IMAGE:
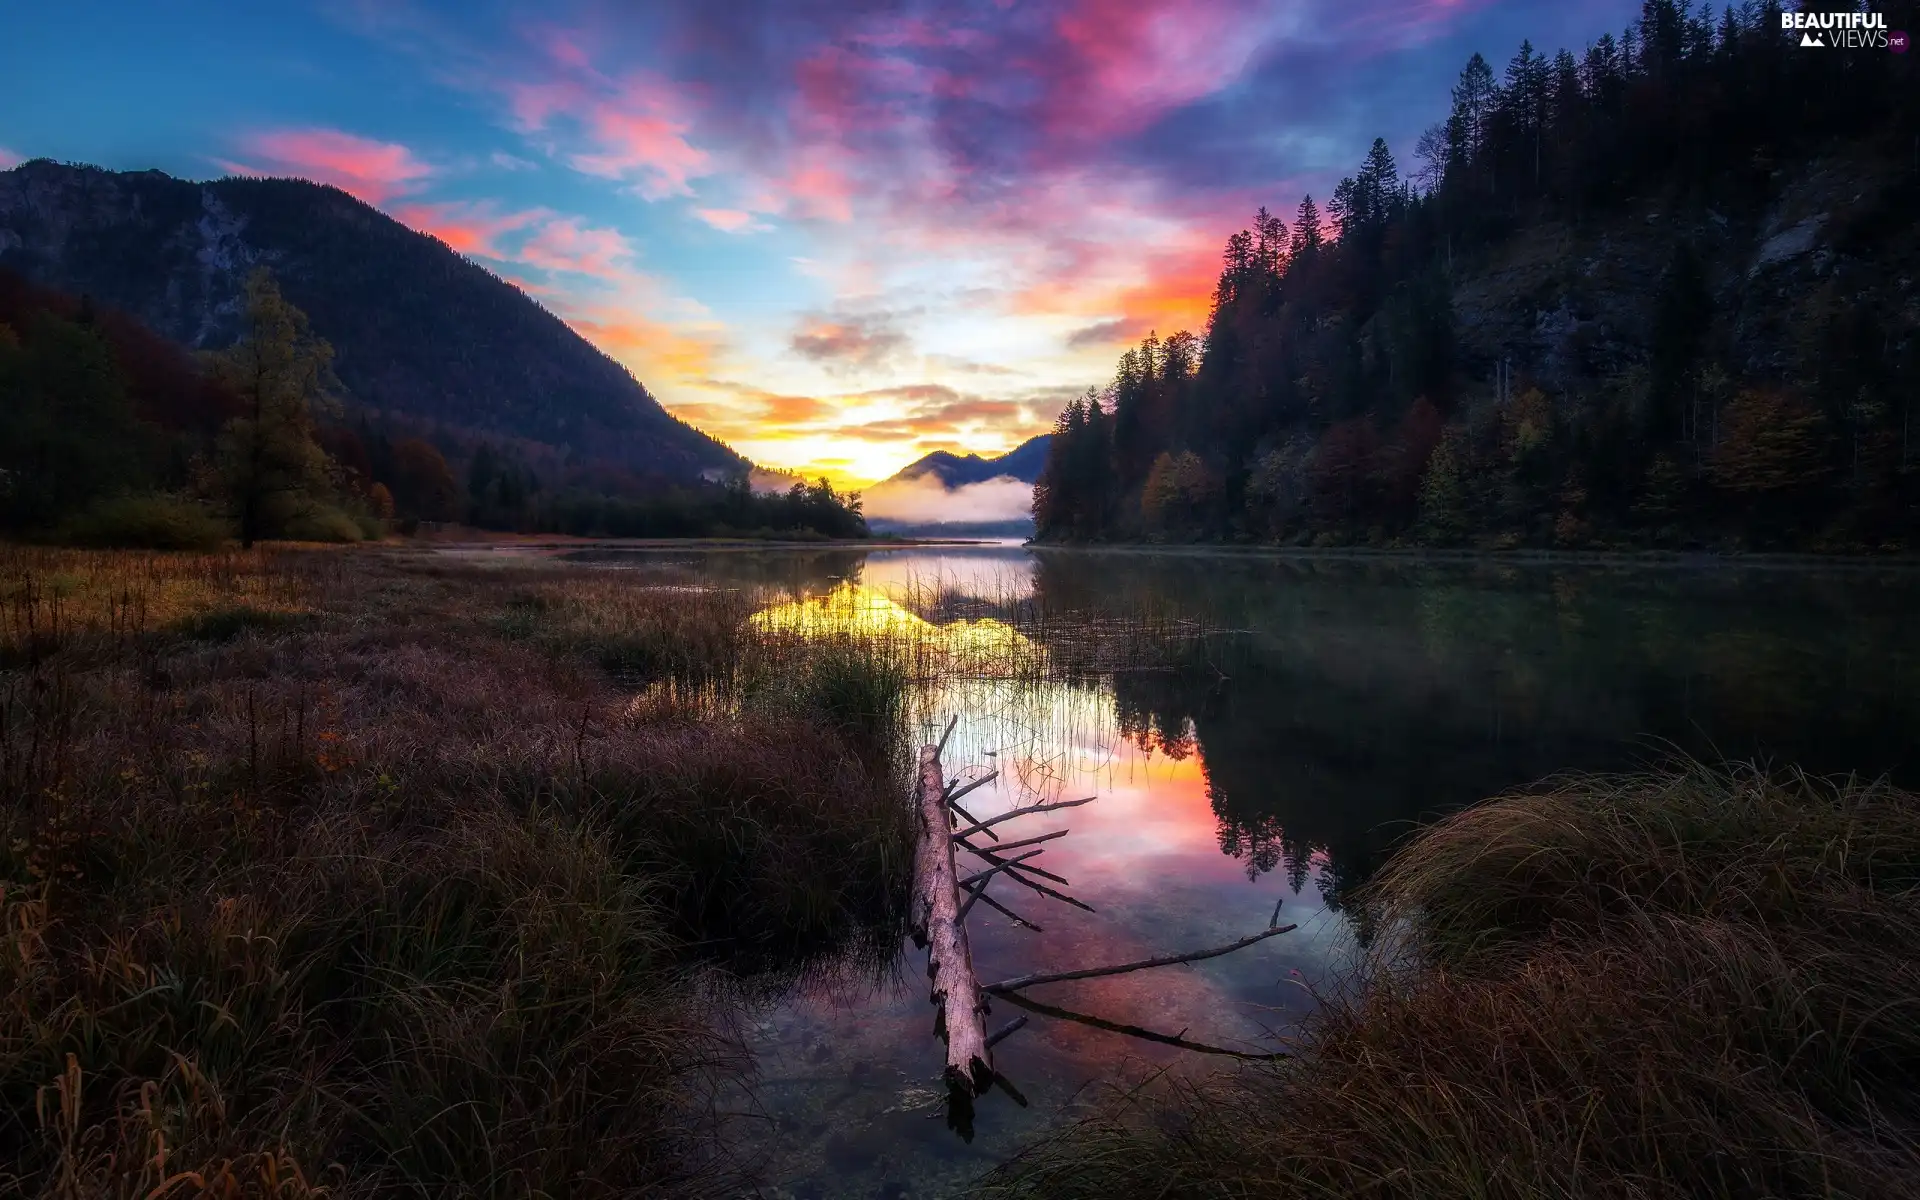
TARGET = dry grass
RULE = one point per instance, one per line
(349, 872)
(1692, 983)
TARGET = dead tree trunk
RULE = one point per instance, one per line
(941, 901)
(962, 1015)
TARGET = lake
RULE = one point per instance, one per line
(1334, 705)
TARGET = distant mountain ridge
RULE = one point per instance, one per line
(1023, 462)
(420, 332)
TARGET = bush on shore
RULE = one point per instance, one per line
(315, 878)
(1689, 983)
(148, 521)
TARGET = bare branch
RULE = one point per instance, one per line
(1165, 1039)
(1011, 915)
(982, 826)
(983, 781)
(992, 854)
(1003, 847)
(979, 888)
(1006, 1031)
(1018, 874)
(1007, 986)
(990, 872)
(969, 816)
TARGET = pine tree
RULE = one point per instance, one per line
(1473, 102)
(1306, 230)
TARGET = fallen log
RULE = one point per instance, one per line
(961, 1016)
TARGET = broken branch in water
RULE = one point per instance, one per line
(979, 883)
(1013, 916)
(981, 782)
(1003, 847)
(1165, 1039)
(1018, 875)
(990, 872)
(992, 854)
(1008, 986)
(1005, 1031)
(982, 826)
(969, 816)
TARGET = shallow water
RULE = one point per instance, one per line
(1352, 700)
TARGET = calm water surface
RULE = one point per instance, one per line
(1352, 700)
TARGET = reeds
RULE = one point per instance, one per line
(1688, 983)
(348, 873)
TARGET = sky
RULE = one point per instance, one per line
(836, 234)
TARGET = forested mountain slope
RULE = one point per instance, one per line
(419, 332)
(1023, 462)
(1660, 292)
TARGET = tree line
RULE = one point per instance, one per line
(110, 434)
(1727, 385)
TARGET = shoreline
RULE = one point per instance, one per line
(1691, 560)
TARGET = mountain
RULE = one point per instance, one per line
(421, 335)
(1023, 462)
(1609, 310)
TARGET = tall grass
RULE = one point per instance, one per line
(1691, 983)
(348, 872)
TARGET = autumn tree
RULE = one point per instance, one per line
(1773, 441)
(423, 485)
(272, 469)
(1180, 493)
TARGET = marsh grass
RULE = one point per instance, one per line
(353, 872)
(1688, 983)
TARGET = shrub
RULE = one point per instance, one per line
(323, 524)
(148, 521)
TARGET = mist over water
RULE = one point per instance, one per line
(926, 499)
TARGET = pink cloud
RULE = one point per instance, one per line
(474, 228)
(729, 220)
(372, 171)
(816, 187)
(564, 244)
(1131, 60)
(9, 160)
(635, 130)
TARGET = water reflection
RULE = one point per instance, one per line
(1280, 759)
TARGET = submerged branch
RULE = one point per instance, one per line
(1007, 986)
(1018, 875)
(1135, 1031)
(990, 872)
(1011, 915)
(969, 816)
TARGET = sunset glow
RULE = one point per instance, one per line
(836, 235)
